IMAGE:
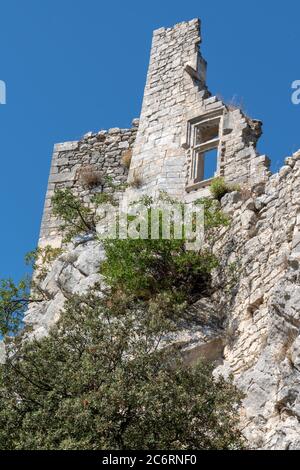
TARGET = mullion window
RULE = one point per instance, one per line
(205, 138)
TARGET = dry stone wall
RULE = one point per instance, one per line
(98, 154)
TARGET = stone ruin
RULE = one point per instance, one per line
(185, 137)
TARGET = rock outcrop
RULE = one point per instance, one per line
(264, 321)
(73, 272)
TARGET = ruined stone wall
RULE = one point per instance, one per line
(262, 338)
(238, 160)
(175, 97)
(158, 157)
(101, 153)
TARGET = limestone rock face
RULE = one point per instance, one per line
(264, 319)
(74, 272)
(199, 334)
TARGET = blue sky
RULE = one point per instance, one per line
(72, 66)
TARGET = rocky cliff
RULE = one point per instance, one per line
(262, 347)
(259, 343)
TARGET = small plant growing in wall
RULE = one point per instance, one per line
(77, 218)
(90, 177)
(136, 181)
(219, 188)
(126, 158)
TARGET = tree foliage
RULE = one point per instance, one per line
(144, 268)
(77, 218)
(100, 380)
(15, 297)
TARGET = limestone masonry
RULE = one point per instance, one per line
(180, 127)
(185, 137)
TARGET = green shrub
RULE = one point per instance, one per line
(76, 217)
(103, 198)
(219, 188)
(144, 268)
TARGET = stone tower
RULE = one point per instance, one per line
(187, 136)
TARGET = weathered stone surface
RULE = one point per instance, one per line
(100, 152)
(199, 335)
(74, 272)
(264, 354)
(261, 343)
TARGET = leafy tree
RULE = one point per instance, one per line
(15, 297)
(41, 260)
(144, 268)
(102, 380)
(76, 217)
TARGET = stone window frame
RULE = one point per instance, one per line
(215, 143)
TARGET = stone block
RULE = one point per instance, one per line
(66, 146)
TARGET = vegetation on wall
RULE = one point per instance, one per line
(106, 376)
(146, 268)
(76, 217)
(219, 188)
